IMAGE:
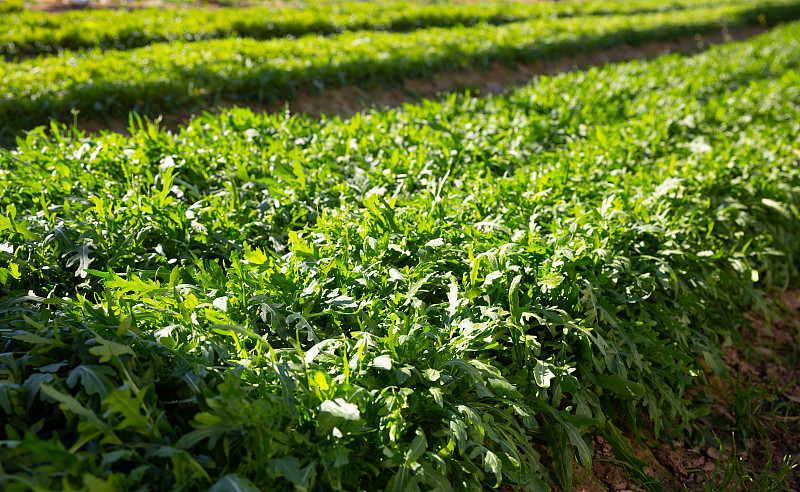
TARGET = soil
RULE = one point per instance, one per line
(765, 367)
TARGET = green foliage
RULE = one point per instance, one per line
(9, 6)
(409, 300)
(163, 77)
(34, 33)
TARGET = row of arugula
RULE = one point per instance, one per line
(165, 78)
(442, 297)
(33, 33)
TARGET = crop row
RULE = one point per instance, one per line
(164, 78)
(399, 301)
(31, 33)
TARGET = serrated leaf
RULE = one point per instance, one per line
(98, 484)
(136, 284)
(221, 303)
(111, 457)
(550, 280)
(459, 429)
(342, 301)
(402, 375)
(502, 387)
(452, 298)
(80, 255)
(24, 336)
(174, 276)
(33, 384)
(94, 379)
(109, 349)
(584, 453)
(567, 429)
(129, 406)
(321, 380)
(778, 207)
(623, 451)
(287, 387)
(256, 257)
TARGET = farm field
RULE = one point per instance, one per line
(170, 77)
(467, 293)
(32, 33)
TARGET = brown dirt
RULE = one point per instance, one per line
(766, 360)
(347, 101)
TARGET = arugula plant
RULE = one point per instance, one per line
(31, 33)
(421, 299)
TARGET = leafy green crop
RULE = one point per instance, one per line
(408, 300)
(162, 78)
(32, 33)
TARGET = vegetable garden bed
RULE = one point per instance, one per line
(34, 33)
(407, 300)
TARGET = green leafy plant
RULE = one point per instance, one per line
(35, 33)
(419, 299)
(163, 78)
(8, 6)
